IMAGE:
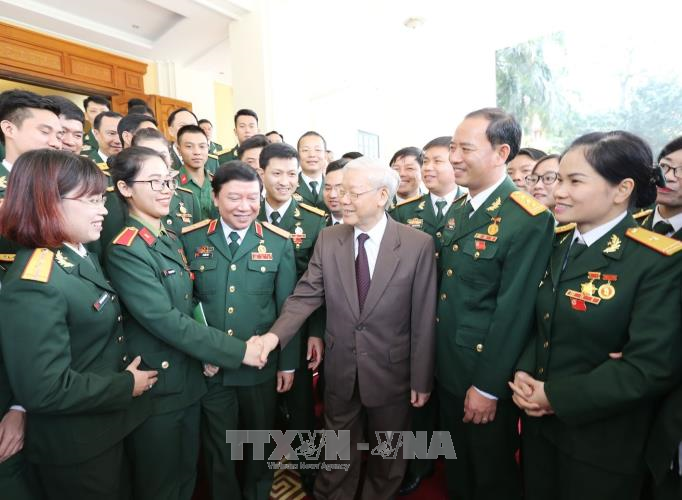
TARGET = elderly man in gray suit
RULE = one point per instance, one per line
(378, 280)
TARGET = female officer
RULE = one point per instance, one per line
(60, 327)
(148, 267)
(610, 287)
(542, 182)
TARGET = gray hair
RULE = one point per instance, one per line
(378, 175)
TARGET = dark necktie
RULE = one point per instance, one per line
(274, 217)
(577, 247)
(313, 189)
(663, 227)
(362, 270)
(337, 222)
(234, 242)
(440, 205)
(468, 209)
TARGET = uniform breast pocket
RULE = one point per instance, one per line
(205, 275)
(261, 278)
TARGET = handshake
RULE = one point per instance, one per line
(257, 350)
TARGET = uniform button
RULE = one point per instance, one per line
(262, 269)
(443, 296)
(477, 255)
(437, 319)
(479, 347)
(439, 234)
(230, 310)
(449, 273)
(230, 332)
(201, 267)
(232, 288)
(113, 298)
(181, 273)
(361, 327)
(119, 339)
(186, 296)
(546, 316)
(125, 358)
(455, 247)
(165, 365)
(169, 221)
(546, 344)
(436, 255)
(541, 370)
(119, 318)
(233, 267)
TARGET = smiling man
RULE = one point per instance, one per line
(193, 147)
(378, 280)
(105, 129)
(408, 163)
(312, 154)
(93, 106)
(245, 126)
(492, 258)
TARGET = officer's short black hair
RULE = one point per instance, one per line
(105, 114)
(352, 155)
(535, 154)
(311, 133)
(190, 129)
(204, 120)
(255, 141)
(276, 150)
(336, 165)
(417, 153)
(68, 109)
(502, 129)
(16, 105)
(141, 109)
(439, 142)
(131, 122)
(136, 101)
(671, 147)
(146, 134)
(245, 112)
(234, 170)
(97, 100)
(274, 132)
(171, 117)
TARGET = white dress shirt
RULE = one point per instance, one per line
(449, 198)
(675, 221)
(80, 249)
(227, 230)
(308, 180)
(479, 199)
(7, 165)
(595, 234)
(372, 243)
(281, 210)
(102, 155)
(335, 220)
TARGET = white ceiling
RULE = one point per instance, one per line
(187, 32)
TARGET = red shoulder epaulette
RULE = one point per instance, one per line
(125, 237)
(259, 229)
(212, 226)
(183, 179)
(147, 236)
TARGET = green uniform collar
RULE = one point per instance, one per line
(155, 231)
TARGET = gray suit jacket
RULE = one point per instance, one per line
(390, 346)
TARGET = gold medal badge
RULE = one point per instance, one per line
(607, 291)
(494, 228)
(589, 288)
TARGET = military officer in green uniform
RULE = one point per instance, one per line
(312, 155)
(72, 120)
(491, 258)
(148, 267)
(93, 106)
(407, 162)
(207, 127)
(431, 213)
(244, 271)
(69, 368)
(245, 126)
(27, 122)
(330, 193)
(665, 440)
(249, 151)
(279, 163)
(105, 128)
(607, 341)
(194, 176)
(131, 123)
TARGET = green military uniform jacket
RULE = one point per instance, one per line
(227, 155)
(622, 294)
(152, 277)
(203, 205)
(645, 218)
(418, 213)
(244, 293)
(303, 223)
(303, 194)
(7, 248)
(65, 353)
(490, 265)
(214, 148)
(2, 151)
(4, 177)
(89, 143)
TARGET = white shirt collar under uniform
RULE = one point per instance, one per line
(372, 244)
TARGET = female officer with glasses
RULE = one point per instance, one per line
(543, 180)
(62, 340)
(149, 269)
(610, 287)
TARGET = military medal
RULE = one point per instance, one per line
(182, 208)
(262, 253)
(579, 299)
(262, 249)
(607, 290)
(451, 223)
(297, 213)
(298, 236)
(480, 245)
(101, 301)
(184, 258)
(415, 222)
(493, 228)
(3, 182)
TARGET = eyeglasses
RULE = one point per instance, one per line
(95, 202)
(158, 184)
(353, 196)
(547, 179)
(677, 171)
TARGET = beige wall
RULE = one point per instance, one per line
(9, 85)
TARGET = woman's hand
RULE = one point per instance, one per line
(144, 380)
(529, 395)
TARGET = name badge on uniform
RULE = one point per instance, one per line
(415, 222)
(204, 252)
(168, 272)
(262, 253)
(101, 301)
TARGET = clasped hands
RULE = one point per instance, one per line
(529, 395)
